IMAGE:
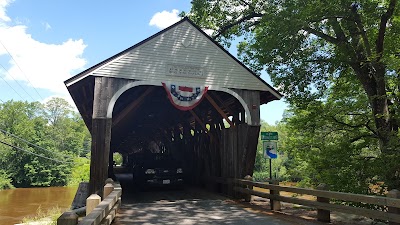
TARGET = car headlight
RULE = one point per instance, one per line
(150, 171)
(179, 170)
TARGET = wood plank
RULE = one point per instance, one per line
(377, 200)
(249, 156)
(326, 206)
(132, 107)
(102, 210)
(220, 111)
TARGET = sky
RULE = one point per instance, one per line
(45, 42)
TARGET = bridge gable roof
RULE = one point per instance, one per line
(180, 53)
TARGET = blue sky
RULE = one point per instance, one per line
(51, 41)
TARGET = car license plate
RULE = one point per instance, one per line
(166, 181)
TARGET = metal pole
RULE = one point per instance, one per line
(270, 168)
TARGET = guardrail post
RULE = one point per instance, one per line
(247, 197)
(68, 218)
(109, 181)
(275, 204)
(394, 194)
(108, 188)
(322, 214)
(91, 202)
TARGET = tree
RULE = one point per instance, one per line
(38, 142)
(307, 47)
(57, 109)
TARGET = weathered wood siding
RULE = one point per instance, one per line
(150, 60)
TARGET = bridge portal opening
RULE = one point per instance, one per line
(179, 147)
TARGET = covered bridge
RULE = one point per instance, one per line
(180, 88)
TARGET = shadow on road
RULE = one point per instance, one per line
(187, 206)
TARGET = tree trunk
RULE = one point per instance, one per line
(372, 78)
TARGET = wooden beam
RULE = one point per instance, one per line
(213, 103)
(199, 121)
(132, 106)
(216, 97)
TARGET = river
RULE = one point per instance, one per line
(15, 204)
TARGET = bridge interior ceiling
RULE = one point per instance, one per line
(144, 113)
(201, 137)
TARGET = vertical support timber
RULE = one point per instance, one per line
(104, 89)
(249, 154)
(99, 161)
(249, 134)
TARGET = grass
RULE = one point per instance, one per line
(50, 215)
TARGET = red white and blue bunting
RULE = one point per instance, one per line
(184, 97)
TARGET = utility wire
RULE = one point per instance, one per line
(32, 153)
(21, 69)
(17, 82)
(13, 89)
(21, 139)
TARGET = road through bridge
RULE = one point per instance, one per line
(189, 206)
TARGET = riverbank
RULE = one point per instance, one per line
(19, 203)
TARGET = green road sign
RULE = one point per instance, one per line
(269, 136)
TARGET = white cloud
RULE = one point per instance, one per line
(164, 19)
(3, 5)
(45, 65)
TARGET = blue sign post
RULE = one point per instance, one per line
(270, 147)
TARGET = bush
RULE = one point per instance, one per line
(44, 217)
(5, 181)
(261, 176)
(80, 171)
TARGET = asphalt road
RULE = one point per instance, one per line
(186, 207)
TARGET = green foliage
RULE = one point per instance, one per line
(47, 138)
(80, 171)
(117, 157)
(338, 64)
(5, 181)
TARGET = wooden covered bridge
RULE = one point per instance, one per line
(178, 87)
(183, 92)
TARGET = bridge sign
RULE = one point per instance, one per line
(269, 149)
(269, 135)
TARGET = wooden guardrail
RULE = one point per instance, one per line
(391, 203)
(97, 212)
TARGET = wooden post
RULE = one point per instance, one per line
(108, 188)
(101, 137)
(275, 205)
(394, 194)
(91, 203)
(247, 197)
(322, 214)
(68, 218)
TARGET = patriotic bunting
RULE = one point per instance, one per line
(184, 97)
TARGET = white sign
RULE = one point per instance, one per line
(270, 149)
(185, 70)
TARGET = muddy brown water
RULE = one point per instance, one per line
(15, 204)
